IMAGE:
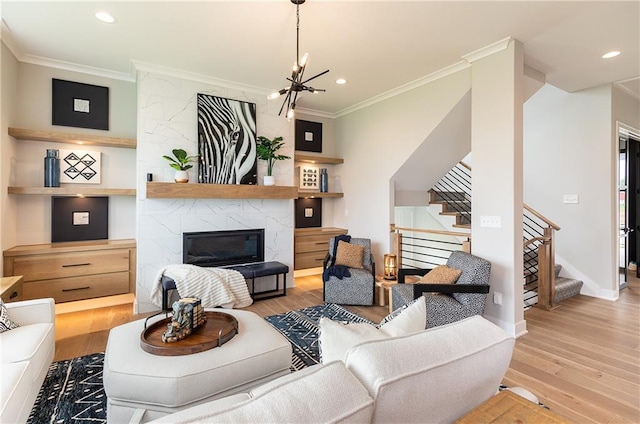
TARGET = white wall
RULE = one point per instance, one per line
(32, 110)
(569, 149)
(167, 119)
(8, 97)
(375, 142)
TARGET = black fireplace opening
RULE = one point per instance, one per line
(223, 248)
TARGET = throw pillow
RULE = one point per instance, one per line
(349, 255)
(5, 322)
(336, 339)
(441, 274)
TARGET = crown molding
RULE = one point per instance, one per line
(485, 51)
(452, 69)
(193, 76)
(314, 112)
(74, 67)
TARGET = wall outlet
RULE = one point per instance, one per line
(497, 298)
(570, 199)
(490, 221)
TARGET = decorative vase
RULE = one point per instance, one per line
(269, 180)
(181, 177)
(52, 169)
(324, 180)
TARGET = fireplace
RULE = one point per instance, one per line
(221, 248)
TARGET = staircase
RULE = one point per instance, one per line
(453, 194)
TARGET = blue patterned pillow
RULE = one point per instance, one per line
(5, 322)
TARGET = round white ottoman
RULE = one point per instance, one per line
(137, 381)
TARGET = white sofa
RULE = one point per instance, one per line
(26, 353)
(433, 376)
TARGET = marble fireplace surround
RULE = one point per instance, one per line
(167, 119)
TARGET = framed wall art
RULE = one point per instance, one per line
(226, 141)
(308, 136)
(308, 213)
(79, 105)
(79, 166)
(79, 218)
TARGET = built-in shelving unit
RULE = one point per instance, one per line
(73, 191)
(72, 138)
(317, 159)
(317, 194)
(156, 190)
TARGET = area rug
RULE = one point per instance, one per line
(73, 393)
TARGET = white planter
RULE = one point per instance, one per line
(269, 180)
(181, 177)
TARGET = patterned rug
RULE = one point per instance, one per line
(72, 392)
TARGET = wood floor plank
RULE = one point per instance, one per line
(581, 360)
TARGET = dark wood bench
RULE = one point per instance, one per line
(248, 271)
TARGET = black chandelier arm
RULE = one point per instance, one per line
(319, 75)
(284, 102)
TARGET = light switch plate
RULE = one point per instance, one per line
(490, 221)
(570, 199)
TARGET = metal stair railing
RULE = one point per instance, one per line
(454, 191)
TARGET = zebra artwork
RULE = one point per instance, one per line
(226, 141)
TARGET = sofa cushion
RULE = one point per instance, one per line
(15, 388)
(336, 339)
(327, 393)
(5, 322)
(33, 343)
(448, 370)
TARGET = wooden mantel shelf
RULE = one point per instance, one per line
(73, 191)
(72, 138)
(219, 191)
(317, 159)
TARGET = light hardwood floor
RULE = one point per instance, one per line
(582, 359)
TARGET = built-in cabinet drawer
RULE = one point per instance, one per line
(74, 271)
(44, 267)
(77, 288)
(311, 245)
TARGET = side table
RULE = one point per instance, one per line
(508, 407)
(11, 288)
(384, 291)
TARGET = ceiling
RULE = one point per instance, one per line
(378, 46)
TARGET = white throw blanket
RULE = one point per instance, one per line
(213, 286)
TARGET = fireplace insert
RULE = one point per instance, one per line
(221, 248)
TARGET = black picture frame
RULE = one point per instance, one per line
(227, 142)
(79, 105)
(91, 216)
(308, 136)
(308, 213)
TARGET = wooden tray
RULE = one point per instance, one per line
(219, 329)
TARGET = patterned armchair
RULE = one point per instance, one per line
(452, 302)
(359, 287)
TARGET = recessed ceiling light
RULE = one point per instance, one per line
(341, 81)
(610, 54)
(105, 17)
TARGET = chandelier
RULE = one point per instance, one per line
(298, 83)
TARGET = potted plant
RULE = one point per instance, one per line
(267, 150)
(181, 163)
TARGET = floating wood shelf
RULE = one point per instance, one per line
(72, 138)
(73, 191)
(317, 194)
(219, 191)
(317, 159)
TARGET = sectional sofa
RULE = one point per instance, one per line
(435, 375)
(26, 353)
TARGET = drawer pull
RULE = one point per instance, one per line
(78, 288)
(320, 243)
(319, 260)
(70, 265)
(13, 295)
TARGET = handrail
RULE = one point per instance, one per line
(535, 239)
(465, 165)
(541, 217)
(428, 231)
